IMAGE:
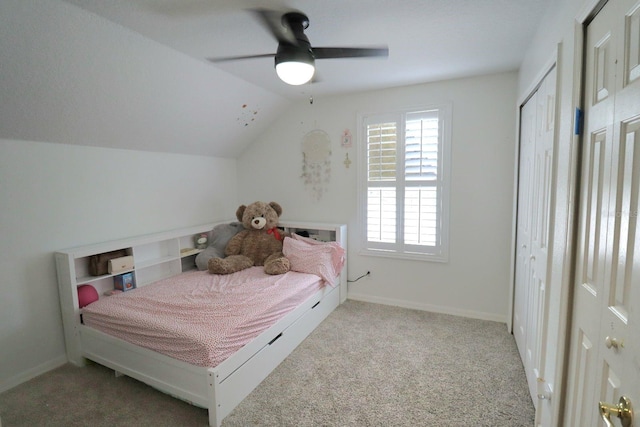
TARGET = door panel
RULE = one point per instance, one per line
(632, 44)
(583, 382)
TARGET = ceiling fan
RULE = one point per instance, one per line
(295, 58)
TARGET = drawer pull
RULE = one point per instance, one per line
(274, 340)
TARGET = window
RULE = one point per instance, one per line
(404, 184)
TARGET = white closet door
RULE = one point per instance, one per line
(533, 226)
(523, 251)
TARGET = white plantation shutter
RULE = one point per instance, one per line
(421, 216)
(421, 174)
(405, 208)
(382, 147)
(421, 146)
(381, 169)
(381, 215)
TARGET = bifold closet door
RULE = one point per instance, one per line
(530, 313)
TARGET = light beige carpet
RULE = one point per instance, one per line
(366, 365)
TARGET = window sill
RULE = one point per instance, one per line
(413, 256)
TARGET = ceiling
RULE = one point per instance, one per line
(428, 40)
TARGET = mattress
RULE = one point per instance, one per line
(201, 318)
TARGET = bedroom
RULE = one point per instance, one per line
(60, 187)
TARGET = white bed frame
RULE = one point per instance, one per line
(218, 389)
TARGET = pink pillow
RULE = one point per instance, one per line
(324, 259)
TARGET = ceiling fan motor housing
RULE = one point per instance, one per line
(301, 52)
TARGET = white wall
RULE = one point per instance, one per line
(475, 282)
(55, 196)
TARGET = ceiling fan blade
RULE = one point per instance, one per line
(278, 27)
(236, 58)
(349, 52)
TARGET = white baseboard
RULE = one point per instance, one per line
(32, 373)
(427, 307)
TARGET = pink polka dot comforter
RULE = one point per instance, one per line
(201, 318)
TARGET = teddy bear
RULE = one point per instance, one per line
(259, 244)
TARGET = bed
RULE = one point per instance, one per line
(218, 372)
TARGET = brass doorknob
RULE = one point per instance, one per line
(613, 342)
(622, 410)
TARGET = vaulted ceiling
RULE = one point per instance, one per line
(428, 39)
(134, 74)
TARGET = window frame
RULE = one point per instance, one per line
(439, 252)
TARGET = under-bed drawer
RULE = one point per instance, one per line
(236, 360)
(232, 389)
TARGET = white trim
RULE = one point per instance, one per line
(589, 10)
(539, 77)
(445, 110)
(563, 342)
(428, 307)
(381, 253)
(23, 377)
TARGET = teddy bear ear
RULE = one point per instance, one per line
(276, 207)
(240, 212)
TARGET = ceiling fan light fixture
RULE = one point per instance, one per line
(294, 65)
(295, 73)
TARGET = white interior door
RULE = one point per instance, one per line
(605, 335)
(542, 218)
(532, 238)
(523, 235)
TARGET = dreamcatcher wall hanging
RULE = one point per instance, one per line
(316, 162)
